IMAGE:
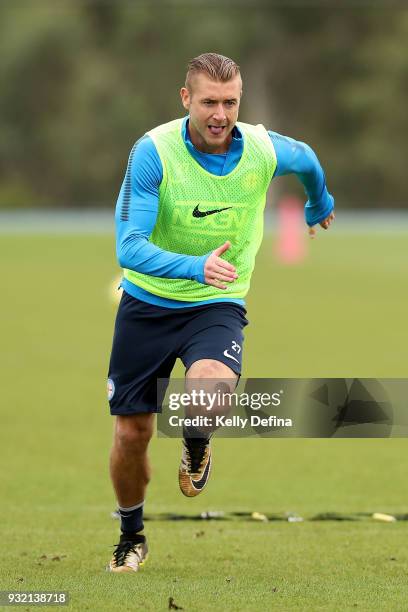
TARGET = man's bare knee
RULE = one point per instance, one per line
(210, 369)
(134, 432)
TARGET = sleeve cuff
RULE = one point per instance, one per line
(197, 269)
(317, 212)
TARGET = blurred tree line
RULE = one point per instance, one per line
(80, 81)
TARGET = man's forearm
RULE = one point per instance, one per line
(135, 252)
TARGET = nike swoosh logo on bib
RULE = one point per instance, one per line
(205, 213)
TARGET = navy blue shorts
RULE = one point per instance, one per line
(148, 339)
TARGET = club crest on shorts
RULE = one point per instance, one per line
(110, 388)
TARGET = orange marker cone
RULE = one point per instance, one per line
(291, 244)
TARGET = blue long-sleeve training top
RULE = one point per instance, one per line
(140, 192)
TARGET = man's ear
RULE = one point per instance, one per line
(185, 97)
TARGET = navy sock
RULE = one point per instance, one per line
(131, 519)
(191, 434)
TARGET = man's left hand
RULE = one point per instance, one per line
(324, 224)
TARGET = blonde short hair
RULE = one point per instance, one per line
(217, 67)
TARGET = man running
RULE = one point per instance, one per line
(189, 222)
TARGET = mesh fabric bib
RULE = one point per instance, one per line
(188, 188)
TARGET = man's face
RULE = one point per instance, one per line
(213, 108)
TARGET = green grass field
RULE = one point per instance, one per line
(341, 313)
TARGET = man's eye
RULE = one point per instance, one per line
(208, 102)
(231, 102)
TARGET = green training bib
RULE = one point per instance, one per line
(199, 211)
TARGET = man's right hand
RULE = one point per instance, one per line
(217, 271)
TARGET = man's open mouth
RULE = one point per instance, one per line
(216, 130)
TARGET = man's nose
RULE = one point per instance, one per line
(219, 113)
